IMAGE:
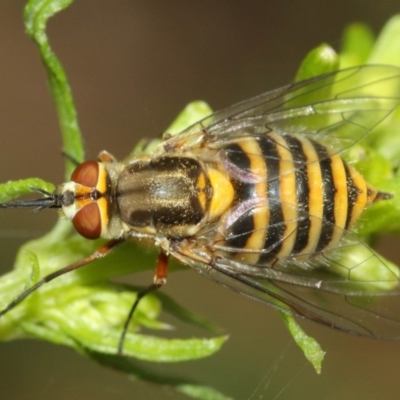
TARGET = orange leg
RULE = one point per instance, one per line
(99, 253)
(160, 277)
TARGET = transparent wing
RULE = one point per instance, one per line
(350, 300)
(340, 108)
(349, 288)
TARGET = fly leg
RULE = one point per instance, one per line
(99, 253)
(160, 278)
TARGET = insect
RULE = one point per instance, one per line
(256, 197)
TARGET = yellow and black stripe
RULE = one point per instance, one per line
(293, 196)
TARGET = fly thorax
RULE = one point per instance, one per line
(86, 200)
(166, 195)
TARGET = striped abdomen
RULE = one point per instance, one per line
(293, 196)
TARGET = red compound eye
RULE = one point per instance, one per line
(86, 174)
(87, 221)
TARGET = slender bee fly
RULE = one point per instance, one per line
(256, 197)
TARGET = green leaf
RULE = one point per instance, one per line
(387, 47)
(358, 41)
(310, 347)
(192, 113)
(184, 315)
(321, 60)
(77, 308)
(37, 13)
(13, 189)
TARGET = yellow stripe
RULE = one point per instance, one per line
(201, 184)
(287, 193)
(102, 203)
(223, 194)
(315, 195)
(102, 179)
(261, 215)
(361, 200)
(341, 198)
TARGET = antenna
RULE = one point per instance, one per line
(51, 200)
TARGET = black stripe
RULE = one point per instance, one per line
(277, 226)
(328, 187)
(352, 195)
(242, 229)
(238, 157)
(302, 193)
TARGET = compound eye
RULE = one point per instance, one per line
(87, 221)
(86, 174)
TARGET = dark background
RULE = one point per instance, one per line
(133, 65)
